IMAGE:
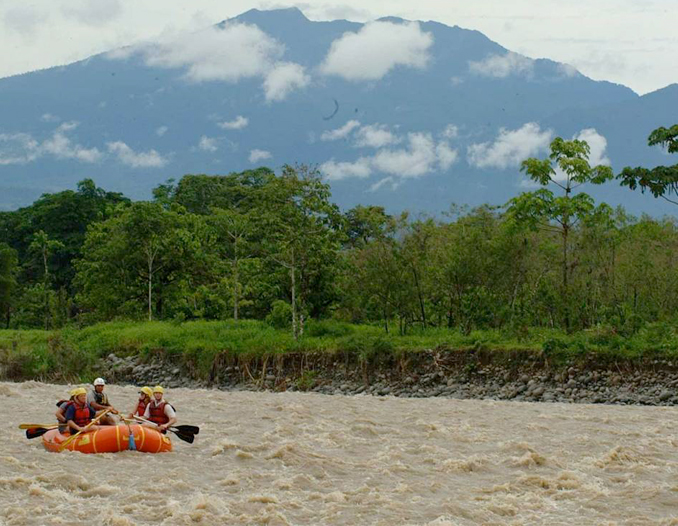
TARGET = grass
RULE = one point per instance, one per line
(72, 354)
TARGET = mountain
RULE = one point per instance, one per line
(407, 115)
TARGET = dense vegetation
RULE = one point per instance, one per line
(274, 248)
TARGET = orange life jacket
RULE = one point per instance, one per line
(157, 413)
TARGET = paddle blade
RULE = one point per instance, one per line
(35, 432)
(193, 430)
(186, 437)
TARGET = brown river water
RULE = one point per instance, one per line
(308, 459)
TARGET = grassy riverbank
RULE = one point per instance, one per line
(71, 353)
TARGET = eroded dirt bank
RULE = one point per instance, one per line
(464, 375)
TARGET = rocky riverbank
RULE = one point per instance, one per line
(431, 374)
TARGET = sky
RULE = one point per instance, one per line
(630, 42)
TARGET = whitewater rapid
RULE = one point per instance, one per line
(308, 459)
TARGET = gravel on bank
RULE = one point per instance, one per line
(651, 383)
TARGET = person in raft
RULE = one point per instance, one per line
(145, 395)
(62, 406)
(99, 401)
(80, 413)
(159, 411)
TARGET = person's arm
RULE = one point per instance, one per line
(171, 414)
(147, 411)
(91, 400)
(60, 414)
(100, 407)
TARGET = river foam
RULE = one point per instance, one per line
(309, 459)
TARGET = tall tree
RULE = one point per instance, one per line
(301, 232)
(567, 168)
(8, 267)
(234, 232)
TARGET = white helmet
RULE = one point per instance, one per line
(99, 381)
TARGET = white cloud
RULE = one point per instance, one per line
(450, 132)
(376, 49)
(342, 170)
(446, 155)
(284, 78)
(48, 117)
(510, 148)
(18, 148)
(501, 66)
(208, 144)
(61, 146)
(340, 133)
(421, 156)
(598, 145)
(375, 136)
(161, 130)
(382, 182)
(236, 52)
(566, 70)
(22, 148)
(259, 155)
(227, 53)
(24, 20)
(93, 12)
(127, 156)
(238, 123)
(415, 161)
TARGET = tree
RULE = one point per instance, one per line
(8, 267)
(143, 255)
(567, 168)
(45, 247)
(234, 230)
(301, 232)
(661, 181)
(199, 194)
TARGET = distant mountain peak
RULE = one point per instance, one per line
(291, 14)
(393, 19)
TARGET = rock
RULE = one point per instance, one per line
(664, 396)
(270, 377)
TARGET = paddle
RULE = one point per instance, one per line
(72, 437)
(182, 432)
(193, 430)
(35, 432)
(33, 426)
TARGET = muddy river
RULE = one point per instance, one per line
(307, 459)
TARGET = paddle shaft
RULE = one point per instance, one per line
(35, 426)
(186, 437)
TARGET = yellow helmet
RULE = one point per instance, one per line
(146, 390)
(79, 391)
(73, 392)
(158, 389)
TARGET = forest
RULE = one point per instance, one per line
(274, 247)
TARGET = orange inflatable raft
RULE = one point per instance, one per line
(110, 439)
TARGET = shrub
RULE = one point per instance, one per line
(280, 316)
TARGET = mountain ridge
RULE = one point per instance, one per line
(140, 119)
